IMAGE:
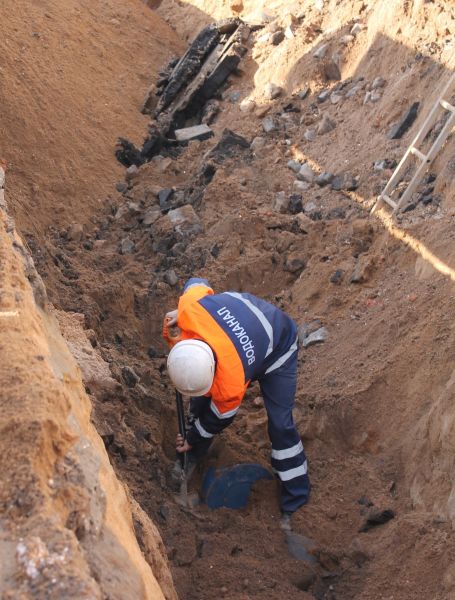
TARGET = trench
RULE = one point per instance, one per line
(123, 275)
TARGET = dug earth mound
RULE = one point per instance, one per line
(262, 181)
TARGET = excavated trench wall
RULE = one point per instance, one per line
(68, 527)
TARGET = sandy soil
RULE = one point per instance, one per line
(374, 401)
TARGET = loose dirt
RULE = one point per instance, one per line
(374, 401)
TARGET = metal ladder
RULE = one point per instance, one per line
(426, 159)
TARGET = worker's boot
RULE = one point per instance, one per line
(285, 521)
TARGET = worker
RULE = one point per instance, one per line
(226, 341)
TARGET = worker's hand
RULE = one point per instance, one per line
(171, 318)
(182, 445)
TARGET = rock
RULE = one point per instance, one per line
(336, 213)
(310, 135)
(300, 186)
(375, 97)
(310, 207)
(272, 91)
(121, 187)
(229, 145)
(152, 352)
(295, 262)
(345, 182)
(294, 165)
(289, 33)
(357, 28)
(295, 204)
(210, 111)
(75, 232)
(133, 208)
(321, 51)
(171, 278)
(317, 337)
(151, 215)
(386, 163)
(379, 82)
(322, 96)
(258, 143)
(354, 90)
(131, 172)
(150, 101)
(367, 97)
(127, 246)
(377, 517)
(280, 203)
(336, 277)
(130, 377)
(262, 111)
(277, 37)
(304, 223)
(363, 270)
(325, 178)
(402, 126)
(347, 39)
(326, 125)
(247, 105)
(236, 6)
(233, 97)
(197, 132)
(331, 71)
(164, 197)
(336, 97)
(306, 173)
(185, 220)
(269, 125)
(304, 92)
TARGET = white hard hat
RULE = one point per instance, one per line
(191, 367)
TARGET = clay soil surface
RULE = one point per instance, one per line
(374, 401)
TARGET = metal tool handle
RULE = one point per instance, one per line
(181, 421)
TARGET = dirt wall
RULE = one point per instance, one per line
(67, 527)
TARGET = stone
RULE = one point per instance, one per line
(151, 215)
(347, 39)
(197, 132)
(386, 163)
(336, 213)
(345, 182)
(131, 172)
(367, 97)
(379, 82)
(375, 97)
(304, 92)
(377, 517)
(310, 207)
(262, 111)
(247, 105)
(354, 90)
(295, 262)
(331, 71)
(336, 97)
(294, 165)
(323, 96)
(269, 125)
(150, 101)
(325, 178)
(280, 203)
(306, 173)
(337, 277)
(152, 352)
(362, 271)
(233, 97)
(272, 91)
(185, 220)
(236, 6)
(121, 187)
(289, 33)
(317, 337)
(405, 123)
(277, 37)
(171, 278)
(258, 143)
(295, 204)
(130, 377)
(304, 223)
(357, 28)
(75, 232)
(133, 208)
(321, 51)
(310, 135)
(164, 197)
(326, 125)
(127, 246)
(300, 186)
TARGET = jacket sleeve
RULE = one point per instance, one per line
(213, 420)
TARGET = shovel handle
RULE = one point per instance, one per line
(181, 421)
